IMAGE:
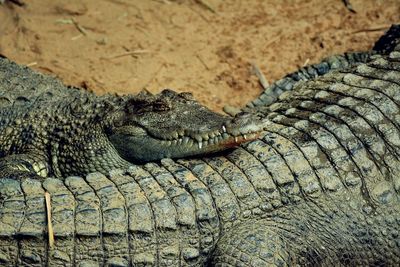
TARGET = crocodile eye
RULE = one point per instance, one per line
(168, 93)
(161, 106)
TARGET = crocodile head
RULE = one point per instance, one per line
(175, 125)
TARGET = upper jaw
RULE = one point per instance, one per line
(234, 131)
(214, 139)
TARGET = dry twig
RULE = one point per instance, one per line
(377, 29)
(129, 53)
(31, 64)
(79, 27)
(349, 6)
(261, 78)
(49, 223)
(202, 62)
(306, 62)
(206, 5)
(72, 21)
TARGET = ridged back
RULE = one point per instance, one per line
(21, 88)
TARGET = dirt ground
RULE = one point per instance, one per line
(203, 46)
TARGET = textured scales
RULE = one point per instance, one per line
(319, 188)
(47, 129)
(309, 72)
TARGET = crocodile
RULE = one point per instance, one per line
(319, 187)
(47, 129)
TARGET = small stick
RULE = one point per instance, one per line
(349, 6)
(31, 64)
(76, 24)
(306, 62)
(276, 38)
(64, 21)
(129, 53)
(49, 223)
(76, 37)
(202, 61)
(205, 5)
(79, 27)
(372, 29)
(163, 1)
(263, 81)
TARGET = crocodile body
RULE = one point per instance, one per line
(319, 188)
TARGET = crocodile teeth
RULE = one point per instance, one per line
(236, 138)
(223, 128)
(198, 138)
(200, 145)
(185, 140)
(190, 142)
(245, 137)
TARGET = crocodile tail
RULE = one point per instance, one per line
(390, 41)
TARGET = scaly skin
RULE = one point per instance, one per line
(319, 188)
(49, 130)
(309, 72)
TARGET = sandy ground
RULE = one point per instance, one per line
(203, 46)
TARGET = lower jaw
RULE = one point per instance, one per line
(150, 150)
(197, 149)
